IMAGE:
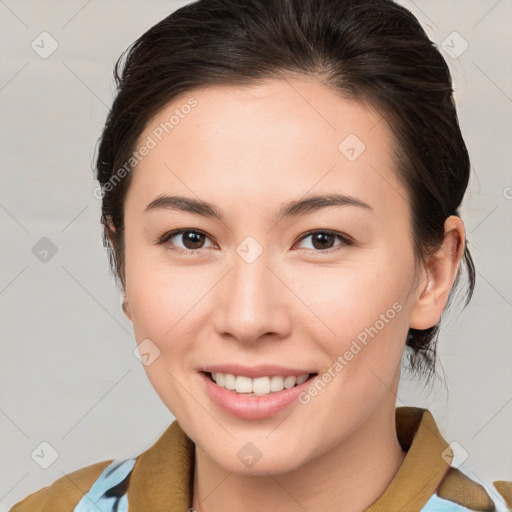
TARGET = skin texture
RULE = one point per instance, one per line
(247, 151)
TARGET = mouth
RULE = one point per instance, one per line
(262, 386)
(258, 398)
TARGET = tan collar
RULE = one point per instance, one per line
(162, 478)
(426, 464)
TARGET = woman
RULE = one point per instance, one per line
(280, 184)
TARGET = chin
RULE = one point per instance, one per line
(250, 460)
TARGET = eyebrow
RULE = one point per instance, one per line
(295, 208)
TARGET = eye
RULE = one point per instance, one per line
(322, 240)
(192, 241)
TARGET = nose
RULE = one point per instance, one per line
(252, 302)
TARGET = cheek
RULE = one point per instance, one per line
(157, 311)
(167, 306)
(354, 297)
(368, 315)
(362, 312)
(157, 292)
(159, 306)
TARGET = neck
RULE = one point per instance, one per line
(349, 477)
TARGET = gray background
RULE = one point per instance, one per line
(68, 373)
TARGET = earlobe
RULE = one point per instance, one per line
(440, 272)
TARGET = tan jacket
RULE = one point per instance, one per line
(162, 477)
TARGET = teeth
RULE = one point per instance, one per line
(258, 386)
(302, 378)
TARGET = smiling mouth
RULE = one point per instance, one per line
(279, 384)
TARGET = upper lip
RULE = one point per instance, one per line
(260, 370)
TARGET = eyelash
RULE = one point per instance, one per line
(346, 241)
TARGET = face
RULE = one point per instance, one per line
(250, 288)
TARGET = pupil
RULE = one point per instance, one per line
(321, 237)
(192, 237)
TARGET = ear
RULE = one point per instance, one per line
(126, 308)
(110, 232)
(438, 276)
(110, 229)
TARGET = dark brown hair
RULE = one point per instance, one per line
(373, 51)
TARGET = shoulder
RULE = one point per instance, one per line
(105, 485)
(458, 492)
(64, 493)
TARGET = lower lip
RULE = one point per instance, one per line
(253, 407)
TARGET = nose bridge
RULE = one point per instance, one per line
(250, 281)
(252, 303)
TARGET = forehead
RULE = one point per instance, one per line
(273, 141)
